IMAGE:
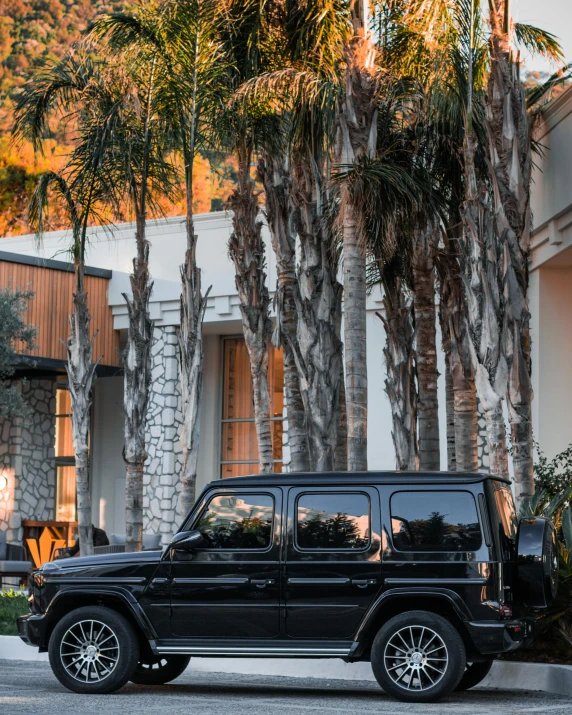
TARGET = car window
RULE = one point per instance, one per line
(238, 521)
(339, 521)
(435, 521)
(506, 511)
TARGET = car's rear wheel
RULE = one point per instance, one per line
(474, 674)
(160, 670)
(418, 657)
(93, 650)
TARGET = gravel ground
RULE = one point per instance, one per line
(32, 689)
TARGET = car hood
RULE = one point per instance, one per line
(82, 562)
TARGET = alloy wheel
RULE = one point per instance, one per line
(89, 651)
(416, 658)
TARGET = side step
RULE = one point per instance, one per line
(255, 649)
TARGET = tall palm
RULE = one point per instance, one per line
(77, 88)
(303, 89)
(183, 37)
(510, 157)
(356, 128)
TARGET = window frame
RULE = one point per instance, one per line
(319, 550)
(236, 420)
(435, 551)
(215, 495)
(67, 461)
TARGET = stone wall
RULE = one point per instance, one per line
(161, 482)
(27, 460)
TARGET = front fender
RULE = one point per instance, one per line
(69, 598)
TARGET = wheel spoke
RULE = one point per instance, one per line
(421, 638)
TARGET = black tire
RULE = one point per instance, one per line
(108, 650)
(537, 549)
(160, 670)
(474, 674)
(434, 644)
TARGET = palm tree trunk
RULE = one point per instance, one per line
(450, 418)
(274, 174)
(318, 349)
(341, 451)
(191, 355)
(510, 157)
(423, 269)
(459, 367)
(246, 250)
(137, 378)
(400, 374)
(482, 283)
(357, 134)
(81, 375)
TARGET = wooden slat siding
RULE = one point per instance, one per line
(51, 307)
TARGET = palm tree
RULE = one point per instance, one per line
(274, 173)
(356, 128)
(182, 38)
(75, 87)
(510, 157)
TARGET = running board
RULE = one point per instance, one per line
(268, 650)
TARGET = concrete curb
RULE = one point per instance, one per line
(505, 675)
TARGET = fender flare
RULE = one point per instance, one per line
(114, 592)
(450, 597)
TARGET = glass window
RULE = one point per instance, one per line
(238, 522)
(239, 449)
(333, 521)
(65, 460)
(435, 521)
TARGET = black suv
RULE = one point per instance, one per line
(428, 576)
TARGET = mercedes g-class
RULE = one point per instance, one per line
(428, 576)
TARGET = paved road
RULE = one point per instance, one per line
(31, 688)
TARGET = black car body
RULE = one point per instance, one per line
(308, 565)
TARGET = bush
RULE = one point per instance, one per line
(12, 605)
(553, 476)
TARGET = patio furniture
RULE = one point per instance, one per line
(13, 562)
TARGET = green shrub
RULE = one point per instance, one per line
(12, 605)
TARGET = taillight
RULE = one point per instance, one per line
(505, 612)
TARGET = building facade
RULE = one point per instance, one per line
(37, 478)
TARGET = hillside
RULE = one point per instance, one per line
(31, 32)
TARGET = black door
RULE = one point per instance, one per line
(231, 588)
(333, 566)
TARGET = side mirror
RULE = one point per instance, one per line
(187, 540)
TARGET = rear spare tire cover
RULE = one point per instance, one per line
(537, 550)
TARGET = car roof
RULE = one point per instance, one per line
(348, 478)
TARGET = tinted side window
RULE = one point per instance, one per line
(435, 521)
(333, 521)
(238, 521)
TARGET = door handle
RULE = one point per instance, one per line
(262, 582)
(363, 582)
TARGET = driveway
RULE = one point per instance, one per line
(30, 687)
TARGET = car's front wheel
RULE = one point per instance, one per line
(93, 650)
(160, 670)
(418, 657)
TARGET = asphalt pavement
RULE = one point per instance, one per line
(30, 688)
